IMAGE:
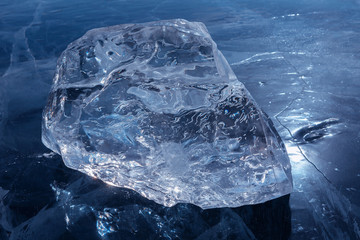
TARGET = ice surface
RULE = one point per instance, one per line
(156, 108)
(2, 112)
(299, 60)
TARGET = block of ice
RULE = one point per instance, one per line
(156, 108)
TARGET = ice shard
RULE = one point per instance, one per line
(156, 108)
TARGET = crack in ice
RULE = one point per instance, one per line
(287, 107)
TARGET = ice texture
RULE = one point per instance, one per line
(156, 108)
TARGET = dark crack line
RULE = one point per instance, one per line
(297, 72)
(287, 107)
(301, 151)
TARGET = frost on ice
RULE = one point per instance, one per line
(156, 108)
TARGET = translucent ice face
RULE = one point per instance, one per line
(156, 108)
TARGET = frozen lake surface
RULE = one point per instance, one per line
(301, 63)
